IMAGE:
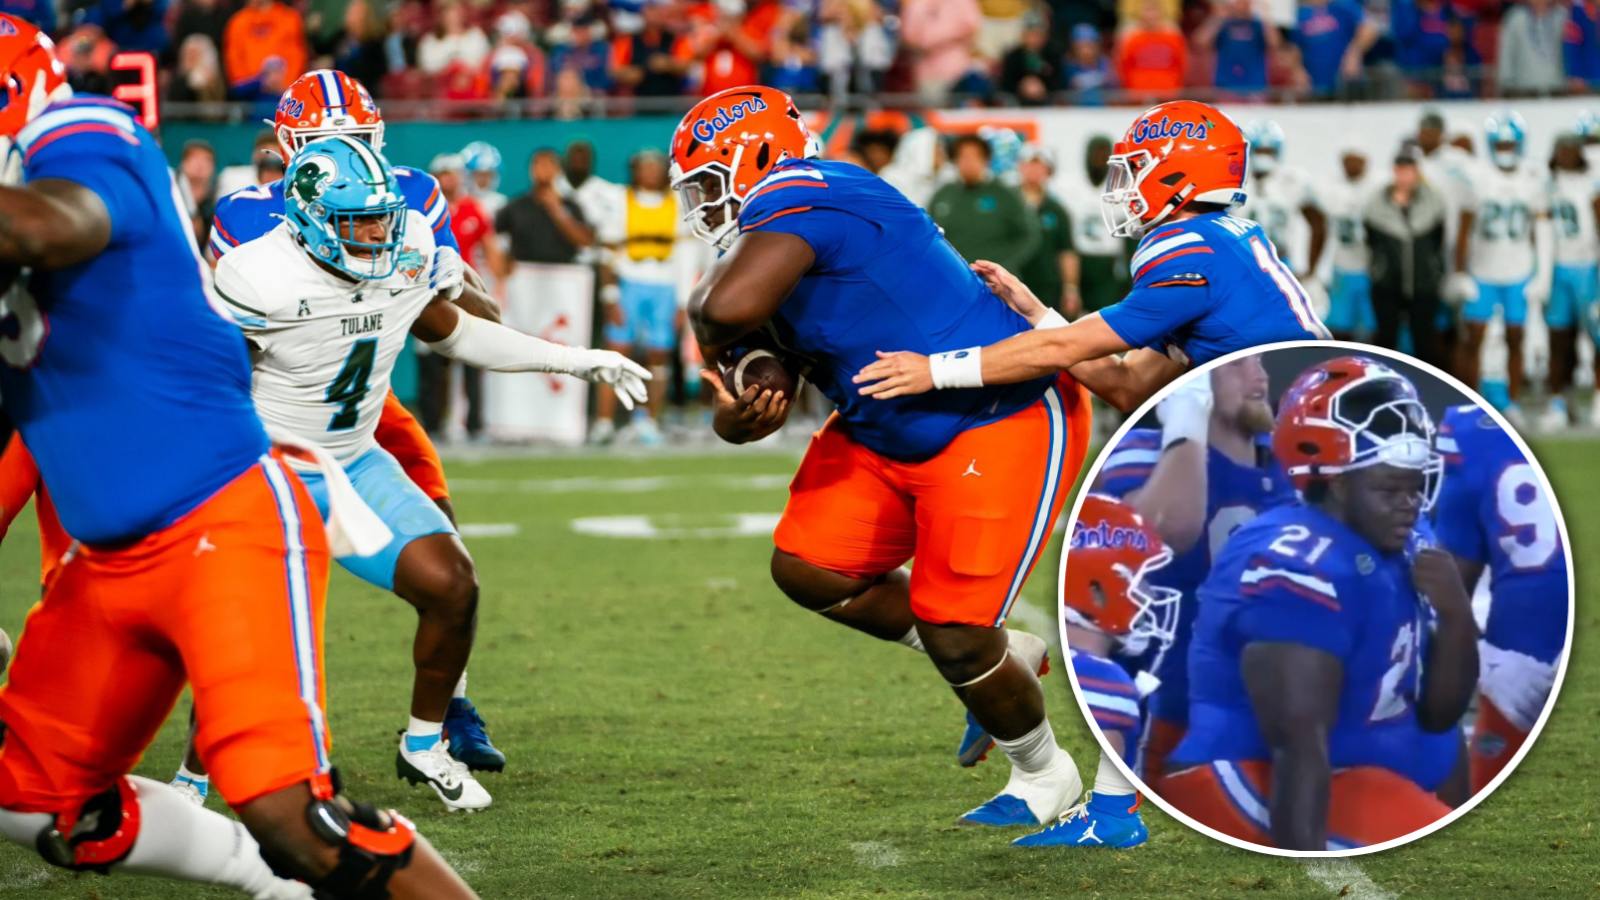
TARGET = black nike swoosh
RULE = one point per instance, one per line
(449, 794)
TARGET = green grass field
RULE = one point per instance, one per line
(677, 728)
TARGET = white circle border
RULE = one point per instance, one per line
(1561, 668)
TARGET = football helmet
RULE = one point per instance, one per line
(34, 79)
(332, 183)
(1506, 134)
(725, 145)
(1174, 154)
(481, 156)
(1349, 413)
(325, 102)
(1112, 553)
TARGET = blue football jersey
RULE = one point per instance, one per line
(1297, 575)
(131, 390)
(1492, 510)
(1112, 698)
(1235, 494)
(248, 213)
(1207, 286)
(884, 279)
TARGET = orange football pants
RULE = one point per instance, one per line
(1162, 736)
(403, 436)
(1495, 742)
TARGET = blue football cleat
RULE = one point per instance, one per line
(1104, 821)
(1002, 811)
(975, 742)
(469, 739)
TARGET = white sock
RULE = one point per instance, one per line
(1108, 779)
(184, 773)
(1035, 752)
(912, 639)
(461, 688)
(422, 734)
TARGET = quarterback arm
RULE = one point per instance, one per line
(52, 223)
(1128, 380)
(1294, 690)
(745, 287)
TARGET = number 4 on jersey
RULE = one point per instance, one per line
(349, 387)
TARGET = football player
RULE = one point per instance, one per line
(1330, 642)
(1494, 517)
(1350, 312)
(483, 169)
(326, 300)
(1205, 283)
(1107, 602)
(1575, 282)
(1281, 198)
(837, 262)
(1206, 471)
(1503, 253)
(201, 557)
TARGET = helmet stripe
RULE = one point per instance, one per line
(332, 91)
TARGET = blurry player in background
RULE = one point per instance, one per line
(1330, 642)
(1108, 604)
(1494, 517)
(1208, 470)
(1575, 283)
(1503, 253)
(327, 300)
(202, 558)
(483, 172)
(1097, 265)
(837, 262)
(1281, 195)
(1350, 315)
(1205, 282)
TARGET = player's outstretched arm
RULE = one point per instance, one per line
(52, 223)
(1128, 380)
(1032, 354)
(475, 299)
(1450, 671)
(745, 287)
(1294, 690)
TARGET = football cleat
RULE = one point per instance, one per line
(975, 742)
(193, 790)
(447, 775)
(469, 740)
(1030, 800)
(1104, 820)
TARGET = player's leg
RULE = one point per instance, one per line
(1360, 287)
(617, 333)
(1469, 351)
(192, 781)
(1560, 317)
(1341, 318)
(659, 338)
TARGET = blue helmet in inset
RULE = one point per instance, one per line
(481, 156)
(333, 186)
(1506, 128)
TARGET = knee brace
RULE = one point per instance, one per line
(373, 844)
(95, 836)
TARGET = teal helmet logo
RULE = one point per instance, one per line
(311, 178)
(334, 190)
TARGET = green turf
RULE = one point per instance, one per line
(678, 729)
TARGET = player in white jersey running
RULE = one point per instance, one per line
(1281, 198)
(1503, 252)
(1350, 313)
(1575, 284)
(326, 300)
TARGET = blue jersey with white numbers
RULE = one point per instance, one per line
(884, 279)
(1112, 698)
(132, 391)
(1297, 575)
(1207, 286)
(248, 213)
(1235, 494)
(1492, 510)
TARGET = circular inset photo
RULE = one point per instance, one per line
(1317, 599)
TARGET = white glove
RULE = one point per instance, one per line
(1460, 288)
(448, 274)
(611, 367)
(1517, 684)
(1186, 412)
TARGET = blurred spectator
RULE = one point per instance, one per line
(42, 13)
(1001, 28)
(578, 42)
(982, 217)
(260, 31)
(793, 64)
(198, 170)
(939, 36)
(1531, 54)
(1405, 224)
(730, 49)
(876, 148)
(131, 24)
(1581, 41)
(644, 62)
(1151, 53)
(1030, 71)
(324, 22)
(1088, 71)
(86, 53)
(854, 49)
(264, 90)
(360, 52)
(1241, 41)
(207, 17)
(199, 75)
(571, 95)
(1045, 271)
(453, 40)
(600, 200)
(541, 225)
(1333, 36)
(1429, 37)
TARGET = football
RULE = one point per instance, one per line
(758, 361)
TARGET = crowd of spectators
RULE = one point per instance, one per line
(1029, 52)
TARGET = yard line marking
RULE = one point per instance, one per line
(876, 854)
(594, 484)
(1345, 879)
(671, 526)
(489, 529)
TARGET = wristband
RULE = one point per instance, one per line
(957, 368)
(1051, 319)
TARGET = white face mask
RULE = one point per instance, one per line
(1263, 163)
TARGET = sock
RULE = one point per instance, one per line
(422, 734)
(912, 639)
(461, 687)
(1035, 752)
(1109, 780)
(203, 782)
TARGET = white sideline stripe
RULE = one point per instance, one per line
(876, 854)
(1344, 878)
(596, 485)
(489, 529)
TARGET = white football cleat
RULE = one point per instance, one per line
(448, 776)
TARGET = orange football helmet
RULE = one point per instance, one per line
(322, 103)
(725, 145)
(1174, 154)
(1349, 413)
(34, 78)
(1112, 553)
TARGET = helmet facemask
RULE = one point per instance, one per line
(708, 202)
(1122, 204)
(1384, 424)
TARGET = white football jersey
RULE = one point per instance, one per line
(323, 347)
(1451, 171)
(1343, 201)
(1572, 197)
(1090, 237)
(1505, 206)
(1275, 204)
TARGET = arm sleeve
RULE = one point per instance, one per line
(1289, 602)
